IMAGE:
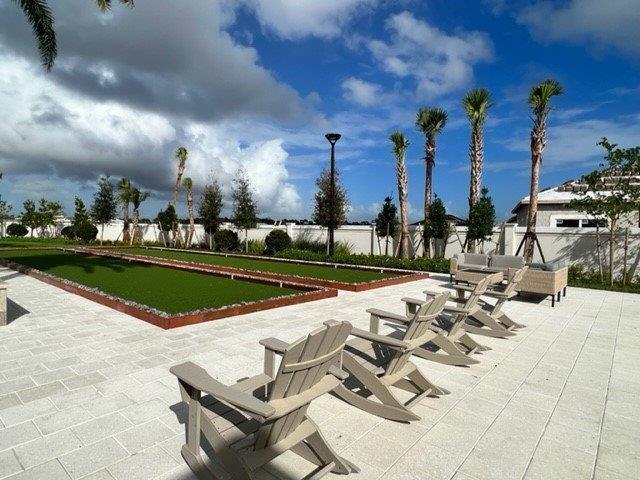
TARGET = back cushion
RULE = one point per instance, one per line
(507, 261)
(475, 259)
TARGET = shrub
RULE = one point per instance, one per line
(226, 240)
(85, 231)
(277, 241)
(17, 230)
(436, 265)
(67, 232)
(305, 241)
(256, 247)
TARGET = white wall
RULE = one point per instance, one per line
(573, 245)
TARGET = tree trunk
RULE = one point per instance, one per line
(101, 233)
(599, 251)
(401, 172)
(475, 155)
(246, 241)
(612, 246)
(532, 213)
(125, 221)
(626, 249)
(429, 155)
(386, 243)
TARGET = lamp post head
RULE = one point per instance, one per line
(333, 137)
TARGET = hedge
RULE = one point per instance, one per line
(436, 265)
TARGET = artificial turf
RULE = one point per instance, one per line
(347, 275)
(166, 289)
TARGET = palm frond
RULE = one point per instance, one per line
(431, 120)
(476, 103)
(39, 16)
(400, 143)
(181, 155)
(105, 5)
(187, 183)
(541, 94)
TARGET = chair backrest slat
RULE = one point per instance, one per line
(303, 365)
(417, 331)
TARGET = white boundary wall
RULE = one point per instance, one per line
(573, 245)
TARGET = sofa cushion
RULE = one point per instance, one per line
(506, 261)
(474, 259)
(549, 266)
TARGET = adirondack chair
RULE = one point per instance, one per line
(452, 325)
(438, 348)
(490, 320)
(254, 421)
(376, 363)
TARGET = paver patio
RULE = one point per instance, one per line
(85, 391)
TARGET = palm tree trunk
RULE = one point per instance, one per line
(386, 243)
(475, 154)
(430, 154)
(125, 221)
(192, 227)
(537, 145)
(612, 246)
(404, 216)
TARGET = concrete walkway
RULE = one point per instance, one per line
(85, 391)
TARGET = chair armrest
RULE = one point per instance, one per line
(413, 301)
(466, 288)
(388, 316)
(431, 293)
(198, 378)
(380, 339)
(338, 372)
(274, 345)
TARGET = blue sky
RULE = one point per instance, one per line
(255, 84)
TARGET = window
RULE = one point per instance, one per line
(591, 223)
(567, 222)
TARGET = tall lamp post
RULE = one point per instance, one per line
(333, 138)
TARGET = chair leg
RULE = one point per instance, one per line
(418, 378)
(327, 454)
(491, 327)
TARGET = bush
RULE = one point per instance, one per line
(67, 232)
(226, 240)
(277, 241)
(436, 265)
(17, 230)
(305, 241)
(85, 231)
(256, 247)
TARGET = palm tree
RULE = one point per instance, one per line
(540, 104)
(430, 121)
(188, 185)
(181, 156)
(124, 195)
(476, 103)
(137, 197)
(400, 145)
(39, 16)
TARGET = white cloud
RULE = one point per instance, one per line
(438, 62)
(292, 19)
(363, 93)
(49, 128)
(601, 23)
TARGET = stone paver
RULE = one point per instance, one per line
(85, 392)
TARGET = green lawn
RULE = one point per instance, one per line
(166, 289)
(35, 242)
(348, 275)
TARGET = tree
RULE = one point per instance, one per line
(540, 104)
(103, 209)
(610, 192)
(29, 216)
(438, 226)
(137, 197)
(80, 215)
(482, 218)
(245, 211)
(181, 156)
(430, 121)
(166, 220)
(400, 145)
(340, 201)
(46, 215)
(124, 196)
(5, 214)
(188, 185)
(39, 16)
(210, 208)
(387, 222)
(476, 103)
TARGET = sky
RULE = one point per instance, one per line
(255, 85)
